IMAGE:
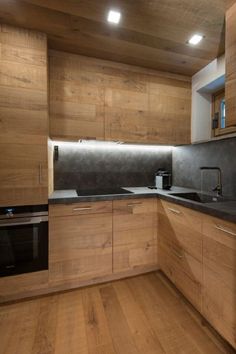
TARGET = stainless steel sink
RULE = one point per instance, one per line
(200, 197)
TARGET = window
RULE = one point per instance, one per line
(219, 119)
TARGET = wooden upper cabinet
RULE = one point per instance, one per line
(169, 112)
(95, 99)
(230, 57)
(23, 117)
(76, 98)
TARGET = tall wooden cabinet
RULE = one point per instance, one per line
(23, 117)
(230, 58)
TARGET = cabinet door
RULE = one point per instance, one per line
(23, 117)
(80, 246)
(169, 112)
(180, 248)
(219, 276)
(134, 234)
(230, 57)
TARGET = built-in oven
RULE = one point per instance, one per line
(23, 239)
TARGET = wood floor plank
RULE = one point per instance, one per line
(98, 334)
(142, 333)
(140, 315)
(170, 334)
(70, 327)
(120, 331)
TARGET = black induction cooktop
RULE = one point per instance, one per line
(101, 191)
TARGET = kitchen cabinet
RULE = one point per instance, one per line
(23, 117)
(134, 234)
(180, 249)
(219, 276)
(80, 246)
(96, 99)
(230, 62)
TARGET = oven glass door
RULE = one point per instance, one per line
(23, 247)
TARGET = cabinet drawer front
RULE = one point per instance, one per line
(174, 231)
(189, 287)
(135, 206)
(182, 215)
(80, 208)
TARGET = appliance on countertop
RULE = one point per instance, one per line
(101, 191)
(23, 239)
(163, 179)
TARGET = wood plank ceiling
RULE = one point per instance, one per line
(152, 33)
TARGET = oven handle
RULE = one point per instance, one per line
(23, 221)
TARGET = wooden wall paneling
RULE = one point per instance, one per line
(23, 117)
(230, 57)
(149, 35)
(134, 234)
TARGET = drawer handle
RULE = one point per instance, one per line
(133, 204)
(82, 208)
(180, 256)
(175, 211)
(221, 228)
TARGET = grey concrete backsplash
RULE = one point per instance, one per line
(90, 166)
(188, 159)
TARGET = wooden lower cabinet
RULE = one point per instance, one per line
(134, 234)
(180, 249)
(23, 285)
(219, 276)
(80, 246)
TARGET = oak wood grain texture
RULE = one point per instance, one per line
(180, 248)
(219, 276)
(80, 246)
(230, 62)
(137, 315)
(16, 286)
(151, 34)
(134, 234)
(92, 98)
(23, 117)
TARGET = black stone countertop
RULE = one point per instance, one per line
(222, 210)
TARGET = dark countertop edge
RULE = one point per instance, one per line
(98, 198)
(203, 208)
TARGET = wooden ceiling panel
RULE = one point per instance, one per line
(152, 33)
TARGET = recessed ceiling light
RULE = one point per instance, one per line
(113, 16)
(195, 39)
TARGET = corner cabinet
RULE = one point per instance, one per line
(180, 249)
(230, 57)
(219, 276)
(23, 117)
(197, 253)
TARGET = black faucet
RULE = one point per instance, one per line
(218, 187)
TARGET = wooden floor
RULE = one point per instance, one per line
(138, 315)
